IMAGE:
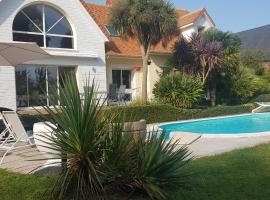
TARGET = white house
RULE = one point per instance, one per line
(76, 36)
(66, 31)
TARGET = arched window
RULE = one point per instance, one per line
(44, 25)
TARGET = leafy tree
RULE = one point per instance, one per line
(254, 60)
(149, 22)
(203, 56)
(231, 46)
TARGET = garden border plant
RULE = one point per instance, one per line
(101, 157)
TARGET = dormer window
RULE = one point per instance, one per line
(112, 31)
(44, 25)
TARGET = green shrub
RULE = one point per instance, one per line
(100, 157)
(245, 84)
(179, 90)
(166, 113)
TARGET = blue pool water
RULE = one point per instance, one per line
(253, 123)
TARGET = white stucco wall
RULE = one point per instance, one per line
(203, 21)
(124, 63)
(89, 40)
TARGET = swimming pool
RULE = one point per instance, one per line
(244, 124)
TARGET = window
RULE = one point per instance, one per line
(122, 77)
(44, 25)
(201, 29)
(112, 31)
(35, 84)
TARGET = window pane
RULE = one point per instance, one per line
(126, 78)
(116, 77)
(29, 38)
(51, 17)
(21, 23)
(59, 42)
(35, 14)
(21, 86)
(37, 86)
(112, 31)
(52, 84)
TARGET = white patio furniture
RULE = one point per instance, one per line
(16, 131)
(261, 106)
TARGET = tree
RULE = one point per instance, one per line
(254, 60)
(197, 56)
(149, 22)
(231, 46)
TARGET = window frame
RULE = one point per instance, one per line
(112, 35)
(121, 77)
(47, 83)
(43, 32)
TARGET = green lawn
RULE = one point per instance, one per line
(238, 175)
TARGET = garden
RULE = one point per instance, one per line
(206, 76)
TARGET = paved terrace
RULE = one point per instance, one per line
(22, 161)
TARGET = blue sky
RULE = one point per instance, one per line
(229, 15)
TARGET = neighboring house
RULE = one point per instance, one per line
(66, 31)
(257, 39)
(123, 57)
(78, 38)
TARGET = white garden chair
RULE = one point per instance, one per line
(16, 132)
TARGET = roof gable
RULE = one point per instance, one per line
(130, 47)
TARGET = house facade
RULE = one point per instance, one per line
(123, 56)
(66, 31)
(78, 38)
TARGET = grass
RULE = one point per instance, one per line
(19, 186)
(237, 175)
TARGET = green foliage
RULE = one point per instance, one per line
(101, 156)
(254, 60)
(178, 89)
(245, 84)
(160, 166)
(164, 113)
(148, 21)
(261, 98)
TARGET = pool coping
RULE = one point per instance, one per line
(156, 126)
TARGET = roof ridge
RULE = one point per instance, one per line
(192, 12)
(252, 29)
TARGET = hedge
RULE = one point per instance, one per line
(164, 113)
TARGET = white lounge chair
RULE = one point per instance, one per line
(16, 131)
(261, 105)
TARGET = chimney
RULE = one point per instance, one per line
(110, 2)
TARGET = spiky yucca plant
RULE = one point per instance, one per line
(101, 157)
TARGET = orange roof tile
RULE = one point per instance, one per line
(129, 47)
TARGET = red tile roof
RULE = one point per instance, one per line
(129, 47)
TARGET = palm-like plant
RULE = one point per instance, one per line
(79, 133)
(100, 156)
(149, 22)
